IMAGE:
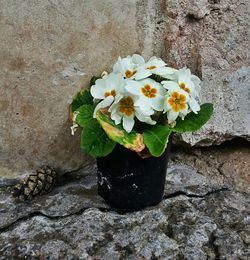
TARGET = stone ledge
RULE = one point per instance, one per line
(196, 220)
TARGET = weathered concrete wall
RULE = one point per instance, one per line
(50, 49)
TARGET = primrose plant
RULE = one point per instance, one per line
(138, 105)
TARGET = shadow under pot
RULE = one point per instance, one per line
(128, 182)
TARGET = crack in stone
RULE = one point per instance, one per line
(192, 195)
(102, 209)
(41, 214)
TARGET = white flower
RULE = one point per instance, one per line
(150, 94)
(188, 83)
(107, 88)
(136, 68)
(176, 104)
(110, 85)
(124, 109)
(128, 66)
(154, 66)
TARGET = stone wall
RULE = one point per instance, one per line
(49, 50)
(212, 38)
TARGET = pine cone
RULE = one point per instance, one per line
(35, 184)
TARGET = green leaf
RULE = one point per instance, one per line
(132, 140)
(82, 98)
(93, 80)
(156, 139)
(85, 116)
(194, 122)
(95, 142)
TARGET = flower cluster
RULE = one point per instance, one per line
(130, 91)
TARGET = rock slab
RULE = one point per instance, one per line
(196, 220)
(50, 49)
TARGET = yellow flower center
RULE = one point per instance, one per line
(177, 101)
(148, 91)
(129, 73)
(126, 106)
(151, 67)
(184, 87)
(111, 93)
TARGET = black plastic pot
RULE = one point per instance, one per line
(128, 183)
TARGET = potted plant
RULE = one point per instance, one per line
(127, 119)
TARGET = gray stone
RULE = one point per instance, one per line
(193, 224)
(227, 165)
(211, 38)
(194, 183)
(50, 49)
(78, 192)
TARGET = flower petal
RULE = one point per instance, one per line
(154, 61)
(167, 106)
(157, 103)
(144, 105)
(184, 93)
(196, 82)
(104, 103)
(116, 117)
(194, 105)
(170, 85)
(128, 123)
(98, 90)
(138, 60)
(184, 75)
(195, 79)
(184, 112)
(133, 87)
(170, 73)
(122, 65)
(115, 82)
(162, 71)
(142, 74)
(171, 115)
(144, 118)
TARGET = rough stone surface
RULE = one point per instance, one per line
(211, 38)
(50, 49)
(196, 220)
(227, 164)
